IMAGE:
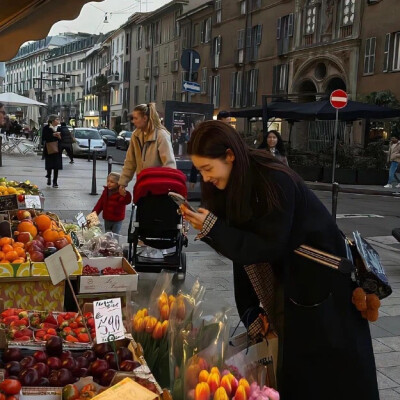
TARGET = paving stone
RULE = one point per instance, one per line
(391, 342)
(380, 347)
(391, 310)
(384, 360)
(390, 324)
(392, 373)
(384, 382)
(388, 394)
(378, 332)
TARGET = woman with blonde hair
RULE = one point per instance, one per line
(150, 145)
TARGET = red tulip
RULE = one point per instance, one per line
(213, 381)
(241, 393)
(202, 391)
(226, 384)
(243, 382)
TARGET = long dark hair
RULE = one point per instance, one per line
(279, 145)
(212, 139)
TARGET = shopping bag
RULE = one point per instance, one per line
(257, 362)
(52, 147)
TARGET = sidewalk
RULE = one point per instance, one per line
(213, 270)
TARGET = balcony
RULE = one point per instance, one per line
(174, 65)
(156, 71)
(147, 73)
(114, 79)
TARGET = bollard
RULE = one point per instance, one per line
(110, 161)
(1, 153)
(94, 192)
(88, 156)
(335, 193)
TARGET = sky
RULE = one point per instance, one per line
(91, 18)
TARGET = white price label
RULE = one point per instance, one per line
(32, 201)
(108, 320)
(80, 219)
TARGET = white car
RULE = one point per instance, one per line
(81, 145)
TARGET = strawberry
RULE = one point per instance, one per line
(23, 314)
(67, 329)
(91, 322)
(60, 319)
(40, 333)
(70, 338)
(11, 318)
(51, 331)
(83, 337)
(88, 315)
(24, 338)
(50, 320)
(73, 325)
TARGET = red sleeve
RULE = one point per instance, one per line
(128, 198)
(100, 203)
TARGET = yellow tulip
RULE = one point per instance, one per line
(243, 382)
(202, 391)
(164, 327)
(157, 331)
(213, 382)
(220, 394)
(150, 325)
(203, 375)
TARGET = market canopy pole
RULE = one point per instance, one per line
(338, 100)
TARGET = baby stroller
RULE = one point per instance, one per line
(157, 222)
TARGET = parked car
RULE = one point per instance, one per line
(123, 140)
(109, 136)
(81, 146)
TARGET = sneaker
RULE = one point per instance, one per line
(48, 183)
(55, 186)
(388, 186)
(71, 162)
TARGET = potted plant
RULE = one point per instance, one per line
(371, 166)
(306, 164)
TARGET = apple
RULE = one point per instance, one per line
(107, 377)
(81, 372)
(98, 367)
(29, 377)
(90, 355)
(23, 237)
(65, 354)
(38, 244)
(68, 363)
(36, 256)
(124, 354)
(13, 368)
(65, 377)
(23, 214)
(27, 362)
(129, 365)
(40, 239)
(42, 369)
(53, 378)
(54, 363)
(110, 358)
(60, 243)
(12, 354)
(82, 362)
(101, 349)
(40, 356)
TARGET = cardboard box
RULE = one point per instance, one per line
(108, 283)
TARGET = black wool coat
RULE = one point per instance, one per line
(52, 161)
(325, 344)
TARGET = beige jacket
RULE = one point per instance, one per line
(145, 151)
(394, 152)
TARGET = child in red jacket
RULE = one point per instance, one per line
(112, 204)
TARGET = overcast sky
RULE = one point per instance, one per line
(91, 18)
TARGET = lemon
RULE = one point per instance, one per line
(12, 190)
(6, 270)
(23, 270)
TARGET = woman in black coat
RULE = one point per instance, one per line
(258, 210)
(52, 161)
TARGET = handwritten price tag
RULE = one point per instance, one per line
(32, 201)
(108, 319)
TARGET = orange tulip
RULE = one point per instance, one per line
(151, 323)
(171, 299)
(241, 393)
(181, 309)
(203, 375)
(220, 394)
(202, 391)
(234, 383)
(226, 384)
(157, 331)
(215, 370)
(213, 381)
(164, 327)
(162, 300)
(243, 382)
(164, 312)
(139, 325)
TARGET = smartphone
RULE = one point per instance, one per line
(179, 200)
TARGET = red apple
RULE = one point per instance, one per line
(13, 368)
(29, 377)
(65, 354)
(98, 367)
(129, 365)
(60, 243)
(90, 355)
(124, 354)
(110, 358)
(36, 256)
(81, 362)
(68, 363)
(38, 244)
(54, 363)
(107, 377)
(40, 238)
(24, 214)
(65, 377)
(12, 354)
(40, 356)
(24, 237)
(81, 372)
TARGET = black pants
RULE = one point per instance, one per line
(55, 176)
(69, 151)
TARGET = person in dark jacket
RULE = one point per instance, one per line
(257, 210)
(112, 204)
(52, 161)
(273, 143)
(66, 141)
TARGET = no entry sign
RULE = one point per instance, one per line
(338, 99)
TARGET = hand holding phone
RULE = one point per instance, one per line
(179, 200)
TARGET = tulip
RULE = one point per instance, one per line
(220, 394)
(215, 370)
(203, 375)
(171, 299)
(271, 393)
(234, 383)
(202, 391)
(164, 327)
(139, 325)
(226, 384)
(164, 312)
(151, 323)
(213, 381)
(240, 393)
(162, 300)
(157, 331)
(243, 382)
(181, 309)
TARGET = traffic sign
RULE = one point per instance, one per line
(190, 60)
(339, 99)
(192, 87)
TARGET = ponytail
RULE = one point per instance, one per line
(150, 110)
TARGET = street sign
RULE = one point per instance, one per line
(339, 99)
(190, 60)
(192, 87)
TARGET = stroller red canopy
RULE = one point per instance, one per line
(159, 180)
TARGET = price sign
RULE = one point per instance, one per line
(80, 220)
(108, 319)
(32, 201)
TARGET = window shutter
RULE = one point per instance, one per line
(290, 24)
(239, 81)
(278, 28)
(366, 55)
(386, 53)
(372, 56)
(232, 89)
(240, 39)
(259, 35)
(202, 39)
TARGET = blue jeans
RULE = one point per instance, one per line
(392, 171)
(113, 226)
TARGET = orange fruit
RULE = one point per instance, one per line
(5, 240)
(20, 251)
(1, 255)
(43, 222)
(7, 247)
(4, 261)
(50, 235)
(11, 256)
(19, 260)
(68, 237)
(18, 244)
(27, 226)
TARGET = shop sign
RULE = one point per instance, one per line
(8, 202)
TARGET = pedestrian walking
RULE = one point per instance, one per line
(66, 141)
(273, 143)
(52, 150)
(257, 210)
(112, 204)
(150, 145)
(2, 115)
(393, 159)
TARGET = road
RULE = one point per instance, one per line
(373, 216)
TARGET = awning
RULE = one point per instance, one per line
(13, 99)
(24, 20)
